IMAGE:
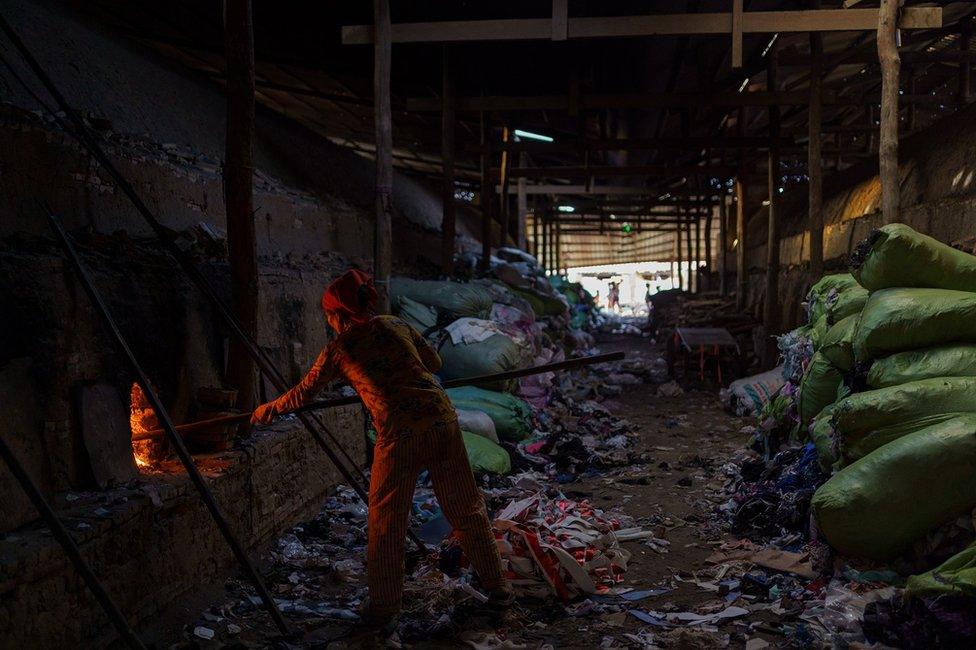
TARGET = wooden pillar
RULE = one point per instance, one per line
(888, 145)
(523, 208)
(741, 269)
(557, 235)
(698, 257)
(238, 196)
(814, 171)
(688, 248)
(383, 237)
(505, 226)
(771, 302)
(709, 267)
(677, 231)
(486, 192)
(544, 249)
(723, 246)
(448, 224)
(536, 249)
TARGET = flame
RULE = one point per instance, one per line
(141, 419)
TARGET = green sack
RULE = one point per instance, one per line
(498, 353)
(511, 415)
(903, 367)
(818, 388)
(865, 421)
(453, 297)
(895, 320)
(418, 316)
(485, 456)
(836, 297)
(879, 506)
(818, 330)
(897, 256)
(822, 436)
(542, 304)
(838, 343)
(957, 575)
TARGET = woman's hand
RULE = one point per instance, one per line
(264, 414)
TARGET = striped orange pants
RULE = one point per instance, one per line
(397, 462)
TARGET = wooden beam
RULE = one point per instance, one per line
(449, 220)
(665, 171)
(522, 29)
(383, 237)
(914, 57)
(238, 195)
(603, 190)
(888, 146)
(574, 145)
(814, 158)
(521, 201)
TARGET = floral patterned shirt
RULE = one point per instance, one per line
(391, 366)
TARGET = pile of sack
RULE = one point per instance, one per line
(516, 319)
(887, 393)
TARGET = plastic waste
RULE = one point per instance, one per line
(747, 396)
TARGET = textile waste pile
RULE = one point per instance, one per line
(868, 443)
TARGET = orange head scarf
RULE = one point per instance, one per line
(352, 296)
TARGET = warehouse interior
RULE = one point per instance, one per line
(700, 277)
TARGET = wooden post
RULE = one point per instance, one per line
(486, 192)
(723, 246)
(522, 204)
(449, 222)
(771, 302)
(688, 249)
(815, 190)
(677, 231)
(742, 271)
(709, 267)
(536, 249)
(238, 196)
(545, 257)
(557, 235)
(888, 146)
(698, 258)
(383, 237)
(504, 213)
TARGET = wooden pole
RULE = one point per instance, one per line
(698, 249)
(723, 246)
(449, 222)
(888, 146)
(544, 249)
(689, 250)
(557, 235)
(709, 267)
(383, 236)
(677, 234)
(504, 213)
(771, 302)
(815, 190)
(741, 279)
(242, 371)
(486, 188)
(536, 249)
(523, 208)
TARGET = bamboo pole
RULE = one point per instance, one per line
(888, 146)
(689, 250)
(238, 173)
(742, 270)
(677, 234)
(449, 221)
(383, 236)
(698, 258)
(708, 249)
(723, 246)
(815, 190)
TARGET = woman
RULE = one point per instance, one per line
(390, 365)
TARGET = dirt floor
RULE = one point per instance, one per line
(683, 442)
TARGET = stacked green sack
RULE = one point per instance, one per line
(496, 354)
(957, 360)
(897, 256)
(511, 415)
(863, 422)
(454, 298)
(957, 576)
(485, 456)
(835, 297)
(879, 506)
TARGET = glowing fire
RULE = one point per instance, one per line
(141, 419)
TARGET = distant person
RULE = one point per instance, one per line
(613, 298)
(649, 302)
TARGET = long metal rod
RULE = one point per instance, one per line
(79, 131)
(174, 438)
(355, 399)
(70, 548)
